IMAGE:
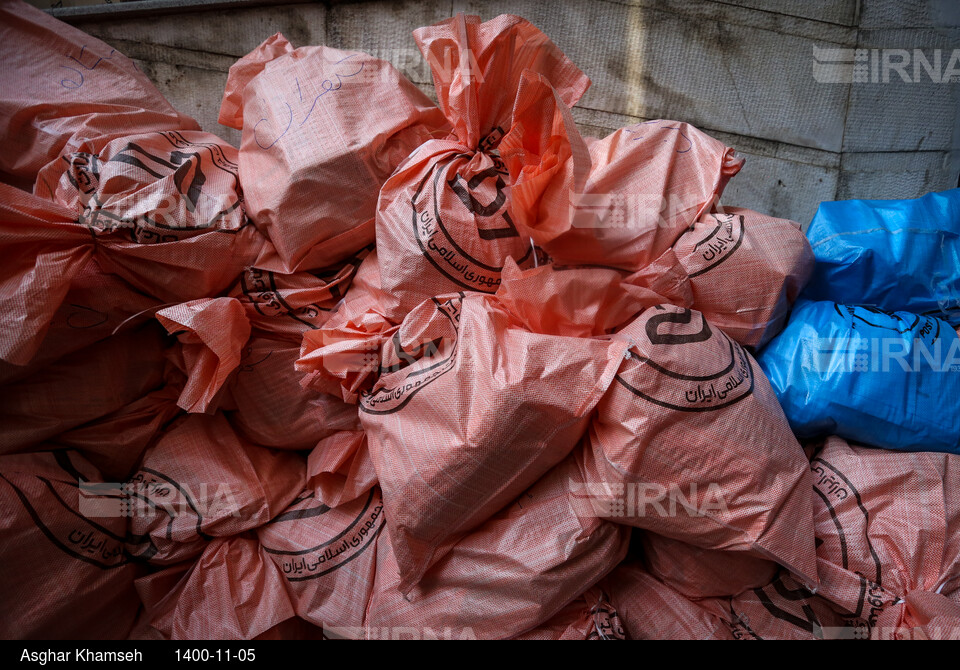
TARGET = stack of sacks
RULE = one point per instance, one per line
(888, 556)
(464, 375)
(871, 352)
(112, 205)
(409, 370)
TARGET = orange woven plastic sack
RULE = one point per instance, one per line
(746, 270)
(231, 592)
(96, 306)
(166, 208)
(920, 616)
(648, 183)
(690, 443)
(324, 543)
(160, 211)
(471, 407)
(115, 443)
(508, 576)
(62, 552)
(227, 370)
(780, 610)
(212, 334)
(201, 481)
(323, 129)
(270, 407)
(887, 527)
(327, 555)
(455, 210)
(649, 609)
(144, 191)
(81, 387)
(342, 358)
(251, 377)
(285, 306)
(60, 87)
(317, 557)
(699, 573)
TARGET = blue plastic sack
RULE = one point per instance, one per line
(887, 379)
(891, 254)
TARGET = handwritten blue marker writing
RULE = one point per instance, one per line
(73, 83)
(326, 86)
(677, 128)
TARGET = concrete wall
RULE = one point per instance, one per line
(742, 70)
